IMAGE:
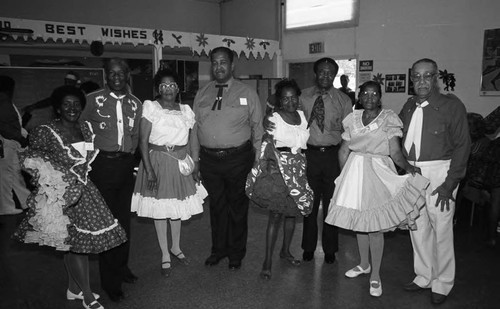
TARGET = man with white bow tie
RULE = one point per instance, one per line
(436, 139)
(114, 114)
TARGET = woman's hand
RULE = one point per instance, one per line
(412, 169)
(152, 182)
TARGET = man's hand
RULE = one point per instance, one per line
(196, 172)
(444, 197)
(268, 124)
(413, 170)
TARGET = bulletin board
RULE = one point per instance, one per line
(37, 83)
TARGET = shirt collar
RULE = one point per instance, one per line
(228, 83)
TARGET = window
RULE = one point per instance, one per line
(300, 14)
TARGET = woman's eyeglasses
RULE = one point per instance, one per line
(164, 86)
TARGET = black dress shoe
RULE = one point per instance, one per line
(330, 258)
(437, 298)
(307, 256)
(115, 296)
(130, 278)
(234, 265)
(412, 287)
(213, 260)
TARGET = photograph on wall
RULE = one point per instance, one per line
(411, 91)
(490, 70)
(395, 83)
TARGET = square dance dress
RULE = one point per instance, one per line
(369, 194)
(177, 195)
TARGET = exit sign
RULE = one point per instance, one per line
(316, 48)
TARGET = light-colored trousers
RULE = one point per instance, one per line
(10, 177)
(433, 250)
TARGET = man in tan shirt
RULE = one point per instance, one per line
(224, 145)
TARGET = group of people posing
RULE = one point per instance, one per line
(312, 149)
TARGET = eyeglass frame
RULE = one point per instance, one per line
(288, 99)
(425, 77)
(172, 85)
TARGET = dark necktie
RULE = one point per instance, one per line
(318, 113)
(218, 99)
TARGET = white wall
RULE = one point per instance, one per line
(396, 33)
(180, 15)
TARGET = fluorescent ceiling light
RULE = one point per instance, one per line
(307, 13)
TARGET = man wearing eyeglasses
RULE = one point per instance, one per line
(436, 139)
(114, 114)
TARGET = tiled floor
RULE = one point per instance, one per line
(34, 277)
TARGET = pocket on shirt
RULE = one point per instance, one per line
(436, 129)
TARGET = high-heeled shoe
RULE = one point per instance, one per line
(165, 272)
(72, 296)
(93, 305)
(290, 259)
(183, 260)
(265, 275)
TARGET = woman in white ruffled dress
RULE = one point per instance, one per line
(370, 197)
(161, 191)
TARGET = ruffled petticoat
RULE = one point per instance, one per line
(177, 196)
(370, 196)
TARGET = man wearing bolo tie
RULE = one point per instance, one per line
(225, 142)
(436, 139)
(114, 114)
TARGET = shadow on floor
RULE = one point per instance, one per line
(34, 277)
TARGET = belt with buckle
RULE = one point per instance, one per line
(113, 154)
(222, 153)
(321, 148)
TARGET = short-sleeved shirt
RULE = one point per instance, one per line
(288, 135)
(168, 127)
(100, 111)
(374, 137)
(238, 120)
(337, 106)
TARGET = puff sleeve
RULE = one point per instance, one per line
(393, 125)
(347, 124)
(148, 110)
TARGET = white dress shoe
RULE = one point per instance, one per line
(93, 305)
(374, 290)
(72, 296)
(356, 271)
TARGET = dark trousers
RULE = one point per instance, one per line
(115, 180)
(225, 178)
(322, 170)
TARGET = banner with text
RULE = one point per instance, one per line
(198, 42)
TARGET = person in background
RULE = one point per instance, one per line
(436, 139)
(344, 81)
(114, 114)
(66, 211)
(225, 143)
(162, 191)
(279, 182)
(12, 139)
(370, 197)
(70, 79)
(89, 86)
(492, 177)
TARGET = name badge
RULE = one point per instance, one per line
(131, 122)
(89, 146)
(373, 127)
(243, 101)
